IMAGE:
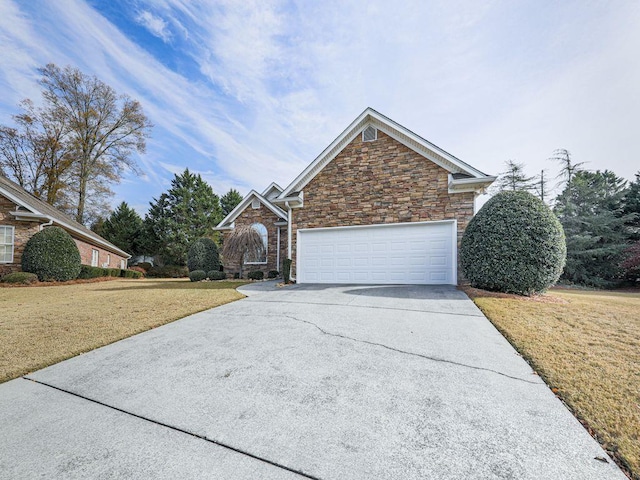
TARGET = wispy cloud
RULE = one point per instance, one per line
(275, 81)
(156, 25)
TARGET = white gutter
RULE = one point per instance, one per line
(42, 225)
(291, 277)
(278, 251)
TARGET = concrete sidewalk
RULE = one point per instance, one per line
(326, 382)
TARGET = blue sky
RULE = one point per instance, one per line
(249, 92)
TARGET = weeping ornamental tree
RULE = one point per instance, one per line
(243, 242)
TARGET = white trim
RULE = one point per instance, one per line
(430, 222)
(454, 239)
(13, 243)
(273, 185)
(235, 213)
(96, 262)
(278, 251)
(17, 201)
(394, 130)
(375, 133)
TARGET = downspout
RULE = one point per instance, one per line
(42, 225)
(289, 215)
(278, 253)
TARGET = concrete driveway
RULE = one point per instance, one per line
(324, 382)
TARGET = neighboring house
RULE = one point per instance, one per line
(380, 205)
(22, 215)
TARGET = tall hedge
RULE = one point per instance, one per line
(203, 255)
(52, 255)
(514, 244)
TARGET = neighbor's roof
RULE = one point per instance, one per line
(396, 131)
(39, 210)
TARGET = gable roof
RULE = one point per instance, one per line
(274, 187)
(39, 210)
(235, 213)
(399, 133)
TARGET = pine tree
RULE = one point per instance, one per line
(513, 178)
(123, 228)
(229, 201)
(591, 211)
(188, 211)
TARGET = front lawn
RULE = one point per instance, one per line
(40, 326)
(586, 346)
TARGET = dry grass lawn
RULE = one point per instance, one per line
(586, 345)
(40, 326)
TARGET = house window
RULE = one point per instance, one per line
(262, 230)
(95, 257)
(6, 244)
(122, 265)
(108, 259)
(369, 134)
(255, 203)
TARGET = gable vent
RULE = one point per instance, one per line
(255, 203)
(369, 134)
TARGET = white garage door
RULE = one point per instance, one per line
(401, 253)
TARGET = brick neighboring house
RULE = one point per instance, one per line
(22, 215)
(380, 205)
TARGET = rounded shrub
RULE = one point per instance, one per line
(256, 275)
(514, 244)
(20, 278)
(203, 255)
(216, 275)
(197, 275)
(52, 255)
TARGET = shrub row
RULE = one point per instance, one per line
(23, 278)
(87, 271)
(168, 271)
(256, 275)
(199, 275)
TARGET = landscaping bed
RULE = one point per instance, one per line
(586, 346)
(45, 325)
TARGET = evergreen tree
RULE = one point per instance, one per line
(229, 201)
(188, 211)
(514, 178)
(591, 211)
(123, 228)
(632, 206)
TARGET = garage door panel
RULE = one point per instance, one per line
(402, 253)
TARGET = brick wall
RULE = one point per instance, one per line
(22, 233)
(105, 258)
(380, 182)
(266, 217)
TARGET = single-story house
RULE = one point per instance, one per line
(22, 215)
(380, 205)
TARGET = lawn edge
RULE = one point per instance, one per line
(619, 460)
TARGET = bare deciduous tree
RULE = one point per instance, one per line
(81, 141)
(103, 129)
(243, 242)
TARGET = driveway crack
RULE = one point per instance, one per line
(405, 352)
(178, 429)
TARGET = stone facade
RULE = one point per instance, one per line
(24, 230)
(262, 215)
(382, 181)
(22, 233)
(106, 258)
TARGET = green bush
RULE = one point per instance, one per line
(273, 274)
(203, 255)
(197, 275)
(255, 275)
(286, 270)
(87, 271)
(216, 275)
(168, 271)
(52, 255)
(113, 272)
(23, 278)
(514, 244)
